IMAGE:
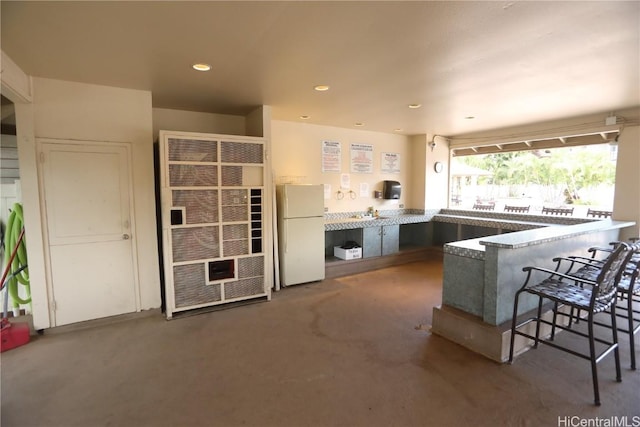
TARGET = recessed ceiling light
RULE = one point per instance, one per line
(415, 106)
(304, 117)
(201, 67)
(321, 88)
(359, 124)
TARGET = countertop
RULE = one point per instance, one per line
(352, 223)
(505, 224)
(470, 248)
(549, 234)
(531, 230)
(475, 248)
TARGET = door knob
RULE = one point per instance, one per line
(125, 237)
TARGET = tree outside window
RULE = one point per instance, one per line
(579, 177)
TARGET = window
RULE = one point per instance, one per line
(578, 177)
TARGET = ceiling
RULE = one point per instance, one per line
(504, 63)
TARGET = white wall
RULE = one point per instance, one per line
(626, 203)
(190, 121)
(76, 111)
(297, 157)
(418, 188)
(436, 183)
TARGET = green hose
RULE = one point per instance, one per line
(18, 272)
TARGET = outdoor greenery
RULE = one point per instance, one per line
(569, 171)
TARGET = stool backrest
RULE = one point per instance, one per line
(523, 209)
(598, 214)
(612, 271)
(557, 211)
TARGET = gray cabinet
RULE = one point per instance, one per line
(383, 240)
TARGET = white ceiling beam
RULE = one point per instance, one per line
(16, 84)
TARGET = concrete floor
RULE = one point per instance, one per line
(354, 351)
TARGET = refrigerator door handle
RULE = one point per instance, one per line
(285, 206)
(286, 236)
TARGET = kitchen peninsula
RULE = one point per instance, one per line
(483, 256)
(482, 275)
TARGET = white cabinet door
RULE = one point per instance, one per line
(87, 200)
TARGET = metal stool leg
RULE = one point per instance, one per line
(538, 315)
(513, 326)
(614, 335)
(594, 368)
(632, 343)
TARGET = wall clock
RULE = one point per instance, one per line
(438, 166)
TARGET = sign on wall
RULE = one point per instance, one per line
(361, 158)
(390, 163)
(331, 156)
(345, 181)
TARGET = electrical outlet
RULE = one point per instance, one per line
(401, 206)
(326, 210)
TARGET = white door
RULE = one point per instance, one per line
(88, 213)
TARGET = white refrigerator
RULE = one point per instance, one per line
(300, 233)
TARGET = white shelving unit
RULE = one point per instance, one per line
(212, 195)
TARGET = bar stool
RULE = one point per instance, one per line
(628, 287)
(580, 295)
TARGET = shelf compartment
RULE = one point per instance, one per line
(191, 288)
(192, 150)
(241, 152)
(195, 243)
(201, 206)
(220, 270)
(193, 175)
